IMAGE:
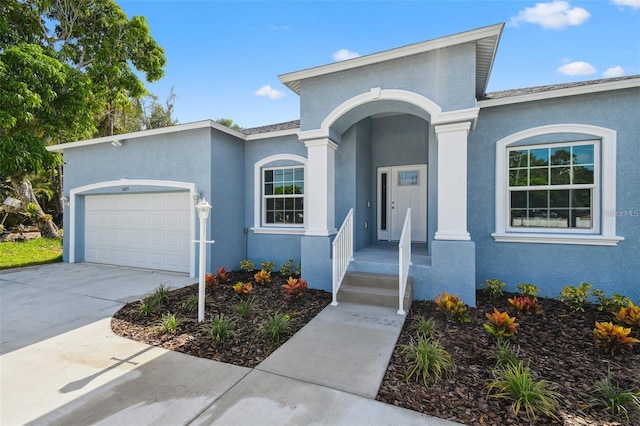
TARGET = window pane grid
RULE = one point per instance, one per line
(283, 195)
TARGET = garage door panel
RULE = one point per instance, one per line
(141, 230)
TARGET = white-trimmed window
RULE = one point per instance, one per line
(279, 194)
(283, 196)
(554, 187)
(550, 191)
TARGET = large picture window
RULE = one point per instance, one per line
(283, 195)
(553, 186)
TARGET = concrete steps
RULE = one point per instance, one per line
(373, 289)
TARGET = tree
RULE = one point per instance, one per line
(227, 122)
(61, 63)
(148, 113)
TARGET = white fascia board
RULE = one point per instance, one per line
(558, 93)
(292, 80)
(146, 133)
(270, 135)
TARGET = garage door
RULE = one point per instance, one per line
(150, 230)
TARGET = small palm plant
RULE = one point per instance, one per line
(169, 323)
(245, 307)
(275, 326)
(612, 397)
(428, 360)
(220, 329)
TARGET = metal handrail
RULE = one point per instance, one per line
(342, 248)
(404, 261)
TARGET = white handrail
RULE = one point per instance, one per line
(342, 254)
(404, 261)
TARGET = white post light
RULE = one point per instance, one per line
(203, 213)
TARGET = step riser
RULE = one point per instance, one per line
(379, 296)
(371, 280)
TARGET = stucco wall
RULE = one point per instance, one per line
(552, 266)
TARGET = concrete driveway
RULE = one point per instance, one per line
(62, 365)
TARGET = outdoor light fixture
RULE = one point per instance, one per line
(116, 143)
(64, 200)
(203, 213)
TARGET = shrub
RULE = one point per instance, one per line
(222, 274)
(575, 297)
(612, 338)
(504, 355)
(610, 396)
(500, 324)
(147, 307)
(629, 315)
(426, 326)
(428, 360)
(527, 289)
(169, 323)
(494, 287)
(275, 326)
(242, 289)
(517, 383)
(263, 277)
(246, 265)
(161, 294)
(220, 329)
(245, 307)
(525, 305)
(191, 304)
(298, 271)
(209, 280)
(268, 266)
(610, 304)
(294, 288)
(287, 269)
(453, 307)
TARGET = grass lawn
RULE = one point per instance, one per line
(33, 252)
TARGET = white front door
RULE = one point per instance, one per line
(399, 188)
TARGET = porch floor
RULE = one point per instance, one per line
(388, 254)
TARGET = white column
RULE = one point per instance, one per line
(452, 181)
(320, 187)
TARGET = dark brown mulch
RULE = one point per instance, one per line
(248, 347)
(558, 343)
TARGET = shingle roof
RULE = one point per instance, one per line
(287, 125)
(538, 89)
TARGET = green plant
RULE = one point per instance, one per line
(610, 304)
(169, 323)
(161, 294)
(246, 265)
(220, 329)
(494, 287)
(527, 289)
(612, 397)
(575, 296)
(245, 307)
(275, 326)
(287, 269)
(426, 326)
(263, 277)
(242, 289)
(268, 266)
(191, 304)
(294, 288)
(612, 338)
(147, 307)
(222, 274)
(516, 382)
(629, 315)
(427, 360)
(27, 253)
(500, 324)
(525, 305)
(504, 355)
(298, 271)
(453, 307)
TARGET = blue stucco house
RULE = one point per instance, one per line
(537, 185)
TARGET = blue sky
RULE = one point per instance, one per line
(224, 57)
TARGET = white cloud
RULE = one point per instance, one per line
(577, 68)
(633, 4)
(555, 15)
(344, 54)
(617, 71)
(269, 92)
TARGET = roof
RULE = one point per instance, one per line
(287, 125)
(486, 40)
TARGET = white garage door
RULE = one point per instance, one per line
(148, 230)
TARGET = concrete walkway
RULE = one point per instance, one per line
(62, 365)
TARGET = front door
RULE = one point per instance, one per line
(399, 188)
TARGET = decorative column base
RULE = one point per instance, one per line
(453, 268)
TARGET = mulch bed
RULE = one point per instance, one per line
(558, 343)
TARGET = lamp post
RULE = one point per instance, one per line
(203, 213)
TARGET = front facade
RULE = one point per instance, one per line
(536, 185)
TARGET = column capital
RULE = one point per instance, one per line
(463, 126)
(320, 142)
